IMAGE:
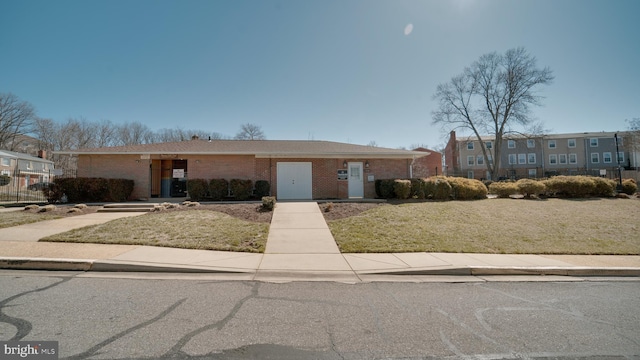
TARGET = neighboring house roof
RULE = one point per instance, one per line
(21, 156)
(259, 148)
(601, 134)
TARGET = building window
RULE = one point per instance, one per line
(620, 157)
(573, 158)
(552, 144)
(522, 158)
(571, 143)
(488, 144)
(593, 142)
(512, 159)
(511, 144)
(6, 162)
(470, 160)
(531, 143)
(480, 160)
(490, 159)
(470, 145)
(553, 159)
(562, 158)
(533, 173)
(30, 165)
(470, 175)
(595, 158)
(531, 158)
(606, 157)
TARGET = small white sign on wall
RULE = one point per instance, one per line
(178, 173)
(603, 172)
(370, 178)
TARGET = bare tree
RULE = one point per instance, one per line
(250, 132)
(16, 117)
(492, 97)
(133, 133)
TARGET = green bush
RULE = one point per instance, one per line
(218, 189)
(503, 189)
(197, 189)
(417, 188)
(4, 179)
(384, 188)
(268, 203)
(629, 186)
(467, 189)
(438, 188)
(402, 188)
(90, 189)
(262, 188)
(530, 187)
(241, 189)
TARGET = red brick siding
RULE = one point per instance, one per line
(118, 167)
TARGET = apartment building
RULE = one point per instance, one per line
(590, 153)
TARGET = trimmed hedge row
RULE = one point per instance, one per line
(90, 190)
(435, 187)
(560, 186)
(218, 189)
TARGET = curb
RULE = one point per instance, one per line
(492, 270)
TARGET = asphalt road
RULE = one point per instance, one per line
(110, 318)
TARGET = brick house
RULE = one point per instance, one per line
(24, 169)
(295, 169)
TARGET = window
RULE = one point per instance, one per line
(470, 175)
(512, 159)
(470, 160)
(620, 157)
(606, 157)
(488, 145)
(573, 158)
(571, 143)
(533, 173)
(552, 144)
(511, 144)
(531, 143)
(553, 159)
(562, 158)
(531, 158)
(6, 162)
(470, 145)
(593, 142)
(522, 158)
(490, 159)
(480, 160)
(30, 165)
(595, 158)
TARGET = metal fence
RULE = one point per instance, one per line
(27, 186)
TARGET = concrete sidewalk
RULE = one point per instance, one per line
(299, 247)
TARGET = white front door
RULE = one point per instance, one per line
(356, 181)
(294, 181)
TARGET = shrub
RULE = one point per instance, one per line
(384, 188)
(402, 188)
(530, 187)
(197, 189)
(503, 189)
(262, 188)
(580, 186)
(90, 189)
(417, 188)
(466, 189)
(603, 187)
(437, 188)
(218, 189)
(268, 203)
(241, 189)
(629, 186)
(4, 179)
(119, 189)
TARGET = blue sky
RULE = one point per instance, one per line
(339, 70)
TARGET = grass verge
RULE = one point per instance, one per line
(21, 217)
(190, 229)
(554, 226)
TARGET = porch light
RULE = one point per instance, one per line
(366, 164)
(344, 164)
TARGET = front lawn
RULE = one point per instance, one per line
(553, 226)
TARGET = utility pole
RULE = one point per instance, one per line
(618, 160)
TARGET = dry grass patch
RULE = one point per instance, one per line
(554, 226)
(189, 229)
(34, 213)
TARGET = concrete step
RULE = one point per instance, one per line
(127, 208)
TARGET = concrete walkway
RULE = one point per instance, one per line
(299, 247)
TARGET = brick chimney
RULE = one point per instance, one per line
(42, 154)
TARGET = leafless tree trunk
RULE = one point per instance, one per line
(492, 97)
(16, 117)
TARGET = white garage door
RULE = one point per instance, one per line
(294, 181)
